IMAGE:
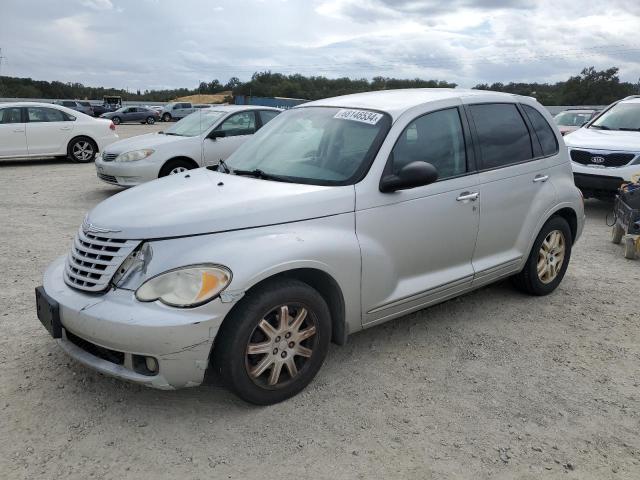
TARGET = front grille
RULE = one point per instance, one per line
(601, 159)
(94, 259)
(109, 157)
(107, 178)
(112, 356)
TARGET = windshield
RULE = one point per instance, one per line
(195, 123)
(572, 119)
(316, 145)
(623, 116)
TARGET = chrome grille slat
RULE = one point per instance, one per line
(94, 274)
(109, 157)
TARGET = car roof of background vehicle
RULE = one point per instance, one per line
(396, 102)
(236, 108)
(631, 99)
(74, 113)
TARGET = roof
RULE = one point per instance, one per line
(233, 108)
(396, 102)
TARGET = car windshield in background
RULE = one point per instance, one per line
(315, 145)
(195, 123)
(572, 119)
(623, 116)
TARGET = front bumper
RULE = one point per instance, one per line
(179, 339)
(127, 174)
(602, 180)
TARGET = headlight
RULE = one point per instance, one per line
(134, 155)
(185, 287)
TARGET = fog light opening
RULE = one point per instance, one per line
(145, 365)
(152, 364)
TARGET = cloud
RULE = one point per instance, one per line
(97, 4)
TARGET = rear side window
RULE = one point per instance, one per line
(267, 115)
(10, 115)
(502, 134)
(543, 130)
(42, 114)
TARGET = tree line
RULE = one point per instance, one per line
(590, 87)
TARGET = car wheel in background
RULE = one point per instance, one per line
(173, 167)
(151, 120)
(166, 117)
(116, 120)
(274, 342)
(82, 150)
(548, 260)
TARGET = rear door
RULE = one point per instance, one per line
(48, 131)
(13, 139)
(514, 191)
(237, 129)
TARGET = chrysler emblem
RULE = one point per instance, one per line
(90, 227)
(597, 160)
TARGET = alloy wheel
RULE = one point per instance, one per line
(176, 170)
(280, 346)
(551, 256)
(83, 151)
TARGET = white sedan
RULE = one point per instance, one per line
(200, 139)
(29, 129)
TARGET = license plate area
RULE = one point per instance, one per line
(48, 313)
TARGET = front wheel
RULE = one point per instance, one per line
(548, 260)
(273, 344)
(151, 120)
(174, 167)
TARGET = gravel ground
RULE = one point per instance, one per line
(494, 384)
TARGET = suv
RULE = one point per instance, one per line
(338, 215)
(176, 111)
(606, 152)
(78, 106)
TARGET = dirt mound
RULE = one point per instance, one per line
(215, 98)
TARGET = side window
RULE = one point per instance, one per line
(41, 114)
(243, 123)
(436, 138)
(267, 115)
(503, 136)
(543, 130)
(10, 115)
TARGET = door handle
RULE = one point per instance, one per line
(464, 196)
(541, 178)
(19, 130)
(65, 128)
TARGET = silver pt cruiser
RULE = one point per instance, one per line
(338, 215)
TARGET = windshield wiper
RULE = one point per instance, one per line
(171, 133)
(601, 127)
(624, 129)
(257, 173)
(222, 164)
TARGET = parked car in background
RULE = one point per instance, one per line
(78, 106)
(132, 114)
(571, 120)
(606, 152)
(29, 129)
(339, 215)
(176, 111)
(200, 139)
(156, 108)
(99, 109)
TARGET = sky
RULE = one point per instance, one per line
(155, 44)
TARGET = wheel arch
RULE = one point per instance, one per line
(182, 158)
(570, 215)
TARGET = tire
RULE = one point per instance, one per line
(629, 247)
(166, 117)
(617, 233)
(278, 356)
(116, 120)
(82, 150)
(548, 259)
(173, 167)
(151, 120)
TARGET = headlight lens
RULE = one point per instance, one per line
(134, 155)
(185, 287)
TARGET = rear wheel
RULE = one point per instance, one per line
(151, 120)
(116, 120)
(82, 150)
(273, 344)
(166, 117)
(548, 260)
(173, 167)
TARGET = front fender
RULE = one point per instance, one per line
(253, 255)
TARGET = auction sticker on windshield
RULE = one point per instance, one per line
(363, 116)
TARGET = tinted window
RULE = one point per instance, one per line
(503, 136)
(41, 114)
(543, 130)
(239, 124)
(69, 104)
(267, 115)
(436, 138)
(10, 115)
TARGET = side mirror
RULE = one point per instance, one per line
(415, 174)
(217, 134)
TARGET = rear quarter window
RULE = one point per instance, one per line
(544, 132)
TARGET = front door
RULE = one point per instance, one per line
(13, 138)
(417, 244)
(237, 129)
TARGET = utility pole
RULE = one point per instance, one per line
(1, 60)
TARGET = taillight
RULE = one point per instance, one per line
(112, 126)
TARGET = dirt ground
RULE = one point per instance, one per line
(494, 384)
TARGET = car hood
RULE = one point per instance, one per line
(203, 201)
(149, 140)
(603, 140)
